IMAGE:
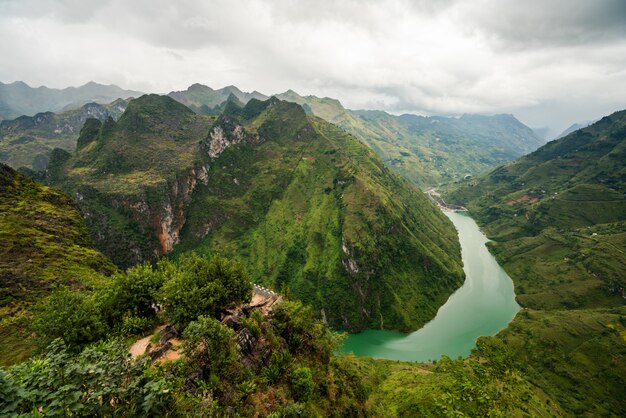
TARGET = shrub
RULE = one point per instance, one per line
(302, 383)
(210, 343)
(202, 286)
(71, 316)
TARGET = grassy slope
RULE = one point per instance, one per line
(43, 240)
(429, 151)
(557, 218)
(287, 206)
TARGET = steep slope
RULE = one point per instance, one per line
(133, 178)
(303, 205)
(558, 221)
(18, 98)
(43, 241)
(429, 150)
(28, 140)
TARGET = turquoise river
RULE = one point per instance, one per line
(484, 305)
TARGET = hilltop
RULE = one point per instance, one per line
(428, 151)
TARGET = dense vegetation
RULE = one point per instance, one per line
(28, 140)
(558, 221)
(427, 151)
(256, 365)
(306, 208)
(43, 242)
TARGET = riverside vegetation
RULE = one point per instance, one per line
(557, 218)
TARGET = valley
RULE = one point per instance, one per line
(185, 207)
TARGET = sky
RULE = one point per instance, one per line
(549, 62)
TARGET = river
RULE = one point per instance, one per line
(484, 305)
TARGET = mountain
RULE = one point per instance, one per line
(43, 242)
(557, 218)
(426, 150)
(575, 127)
(303, 205)
(18, 98)
(28, 140)
(204, 100)
(429, 150)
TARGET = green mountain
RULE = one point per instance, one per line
(306, 207)
(206, 101)
(426, 150)
(558, 220)
(18, 98)
(429, 150)
(43, 241)
(28, 140)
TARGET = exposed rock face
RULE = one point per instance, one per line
(225, 133)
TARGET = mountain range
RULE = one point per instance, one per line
(303, 205)
(19, 99)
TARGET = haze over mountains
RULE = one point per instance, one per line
(426, 150)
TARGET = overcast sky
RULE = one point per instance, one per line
(551, 63)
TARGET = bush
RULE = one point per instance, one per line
(100, 381)
(71, 316)
(201, 286)
(302, 383)
(132, 293)
(210, 343)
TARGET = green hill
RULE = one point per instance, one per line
(426, 150)
(43, 241)
(28, 140)
(558, 220)
(306, 207)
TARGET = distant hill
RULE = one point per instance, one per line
(304, 206)
(206, 101)
(28, 140)
(18, 98)
(426, 150)
(575, 127)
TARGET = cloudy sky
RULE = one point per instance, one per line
(551, 63)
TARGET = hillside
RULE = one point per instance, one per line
(427, 151)
(304, 206)
(558, 220)
(43, 241)
(18, 98)
(27, 141)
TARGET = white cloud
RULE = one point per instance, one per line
(549, 62)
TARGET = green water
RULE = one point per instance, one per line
(484, 305)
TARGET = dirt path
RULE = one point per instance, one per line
(139, 347)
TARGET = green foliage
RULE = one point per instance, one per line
(302, 383)
(212, 344)
(198, 286)
(100, 381)
(133, 293)
(558, 221)
(43, 241)
(71, 316)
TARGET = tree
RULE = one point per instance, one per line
(202, 286)
(70, 315)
